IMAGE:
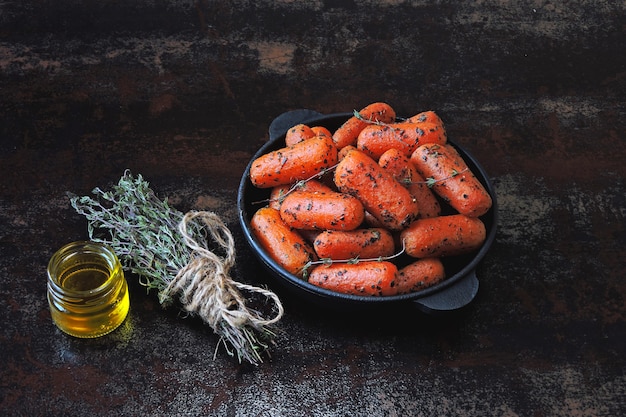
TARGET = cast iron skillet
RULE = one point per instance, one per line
(456, 291)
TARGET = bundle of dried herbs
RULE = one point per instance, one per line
(173, 253)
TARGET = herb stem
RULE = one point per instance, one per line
(169, 252)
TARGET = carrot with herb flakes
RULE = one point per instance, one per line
(451, 179)
(385, 198)
(450, 235)
(313, 185)
(359, 243)
(298, 133)
(343, 151)
(320, 211)
(321, 131)
(419, 275)
(398, 165)
(282, 243)
(375, 139)
(348, 132)
(403, 170)
(367, 278)
(428, 116)
(278, 194)
(293, 163)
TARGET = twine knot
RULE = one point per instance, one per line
(205, 287)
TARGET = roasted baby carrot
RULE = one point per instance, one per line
(420, 274)
(429, 205)
(278, 194)
(298, 133)
(385, 198)
(428, 116)
(343, 151)
(359, 243)
(377, 112)
(293, 163)
(282, 243)
(370, 278)
(322, 131)
(452, 179)
(400, 166)
(320, 211)
(374, 140)
(455, 234)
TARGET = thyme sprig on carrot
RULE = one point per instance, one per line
(350, 261)
(297, 185)
(369, 120)
(431, 181)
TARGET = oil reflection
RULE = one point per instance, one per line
(76, 351)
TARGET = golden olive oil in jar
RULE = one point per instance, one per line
(87, 291)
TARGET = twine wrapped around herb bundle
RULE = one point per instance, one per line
(172, 252)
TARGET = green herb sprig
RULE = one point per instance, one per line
(157, 243)
(351, 261)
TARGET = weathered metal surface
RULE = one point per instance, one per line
(183, 92)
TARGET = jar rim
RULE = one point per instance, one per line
(76, 247)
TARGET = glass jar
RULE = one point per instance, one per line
(87, 291)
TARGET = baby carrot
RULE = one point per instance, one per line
(319, 211)
(278, 193)
(420, 274)
(429, 205)
(343, 151)
(282, 243)
(398, 165)
(359, 243)
(403, 170)
(384, 197)
(321, 131)
(347, 133)
(453, 180)
(314, 186)
(426, 117)
(443, 236)
(374, 140)
(298, 133)
(293, 163)
(370, 278)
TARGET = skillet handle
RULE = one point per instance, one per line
(284, 121)
(451, 298)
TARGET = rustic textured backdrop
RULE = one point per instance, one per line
(183, 93)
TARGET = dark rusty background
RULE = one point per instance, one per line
(183, 92)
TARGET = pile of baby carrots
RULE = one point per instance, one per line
(344, 204)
